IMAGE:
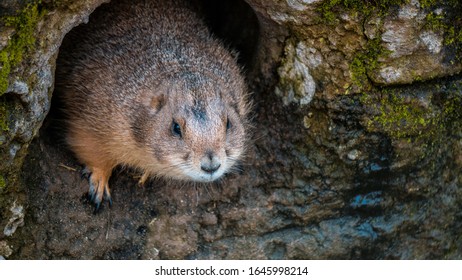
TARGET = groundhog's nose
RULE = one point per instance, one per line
(210, 168)
(210, 163)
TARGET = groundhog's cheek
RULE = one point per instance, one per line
(235, 141)
(162, 153)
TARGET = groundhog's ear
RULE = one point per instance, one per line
(157, 102)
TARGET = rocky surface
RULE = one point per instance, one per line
(357, 146)
(31, 34)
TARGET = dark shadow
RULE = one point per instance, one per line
(236, 24)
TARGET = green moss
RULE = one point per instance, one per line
(3, 118)
(2, 182)
(366, 61)
(432, 3)
(4, 70)
(331, 9)
(403, 117)
(452, 111)
(21, 43)
(437, 22)
(446, 21)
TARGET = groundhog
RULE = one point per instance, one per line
(146, 85)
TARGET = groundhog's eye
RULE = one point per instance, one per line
(176, 129)
(228, 124)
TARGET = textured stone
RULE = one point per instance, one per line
(5, 250)
(296, 84)
(16, 219)
(27, 98)
(415, 50)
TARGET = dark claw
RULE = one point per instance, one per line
(97, 205)
(95, 200)
(93, 197)
(92, 191)
(85, 174)
(107, 197)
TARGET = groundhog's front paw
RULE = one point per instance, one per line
(99, 189)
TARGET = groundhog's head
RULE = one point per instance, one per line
(195, 127)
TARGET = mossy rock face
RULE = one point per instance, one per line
(30, 34)
(356, 153)
(423, 42)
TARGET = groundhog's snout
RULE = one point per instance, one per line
(210, 163)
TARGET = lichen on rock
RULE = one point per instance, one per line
(5, 250)
(418, 44)
(296, 85)
(16, 219)
(21, 42)
(30, 36)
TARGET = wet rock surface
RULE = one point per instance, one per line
(349, 160)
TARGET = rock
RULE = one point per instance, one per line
(29, 45)
(344, 163)
(5, 250)
(353, 154)
(415, 50)
(16, 219)
(295, 82)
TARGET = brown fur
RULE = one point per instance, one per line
(134, 71)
